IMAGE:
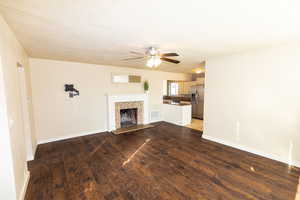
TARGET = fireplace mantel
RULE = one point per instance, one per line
(112, 99)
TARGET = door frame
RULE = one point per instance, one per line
(22, 81)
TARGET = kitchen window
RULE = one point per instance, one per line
(174, 88)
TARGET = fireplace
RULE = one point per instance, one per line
(127, 101)
(129, 113)
(128, 117)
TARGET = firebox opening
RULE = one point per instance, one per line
(128, 117)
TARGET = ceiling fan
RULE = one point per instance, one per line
(154, 56)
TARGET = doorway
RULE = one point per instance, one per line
(197, 89)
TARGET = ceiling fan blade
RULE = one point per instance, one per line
(136, 58)
(170, 60)
(137, 53)
(169, 54)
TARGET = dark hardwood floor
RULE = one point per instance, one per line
(164, 162)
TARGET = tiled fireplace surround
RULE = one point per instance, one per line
(118, 102)
(128, 105)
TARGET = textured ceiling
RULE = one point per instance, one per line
(103, 32)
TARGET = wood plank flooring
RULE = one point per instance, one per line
(164, 162)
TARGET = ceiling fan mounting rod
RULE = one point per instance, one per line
(153, 51)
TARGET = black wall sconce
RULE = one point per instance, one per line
(72, 91)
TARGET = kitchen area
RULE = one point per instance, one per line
(183, 101)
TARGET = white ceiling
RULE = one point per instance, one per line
(103, 32)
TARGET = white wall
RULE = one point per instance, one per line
(7, 179)
(12, 52)
(252, 101)
(57, 116)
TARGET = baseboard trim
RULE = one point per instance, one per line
(34, 151)
(251, 150)
(32, 154)
(30, 158)
(25, 185)
(70, 136)
(156, 120)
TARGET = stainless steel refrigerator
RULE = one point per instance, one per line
(197, 100)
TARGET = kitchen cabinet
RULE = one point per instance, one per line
(177, 113)
(186, 86)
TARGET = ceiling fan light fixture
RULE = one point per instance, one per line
(154, 61)
(155, 57)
